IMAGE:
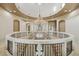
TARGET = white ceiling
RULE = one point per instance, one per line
(44, 9)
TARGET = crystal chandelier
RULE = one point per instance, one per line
(40, 19)
(39, 23)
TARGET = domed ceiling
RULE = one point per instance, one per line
(31, 11)
(44, 9)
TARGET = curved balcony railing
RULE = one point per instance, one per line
(39, 43)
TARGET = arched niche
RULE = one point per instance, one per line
(28, 27)
(16, 25)
(52, 24)
(62, 26)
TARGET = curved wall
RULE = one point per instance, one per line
(72, 26)
(6, 23)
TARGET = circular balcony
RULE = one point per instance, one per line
(39, 43)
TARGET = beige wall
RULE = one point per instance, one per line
(72, 24)
(6, 23)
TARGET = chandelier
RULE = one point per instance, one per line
(40, 25)
(40, 20)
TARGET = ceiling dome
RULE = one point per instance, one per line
(44, 9)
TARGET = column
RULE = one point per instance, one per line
(57, 27)
(57, 23)
(14, 49)
(64, 49)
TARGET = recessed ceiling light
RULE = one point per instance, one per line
(27, 22)
(69, 10)
(14, 11)
(10, 11)
(65, 10)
